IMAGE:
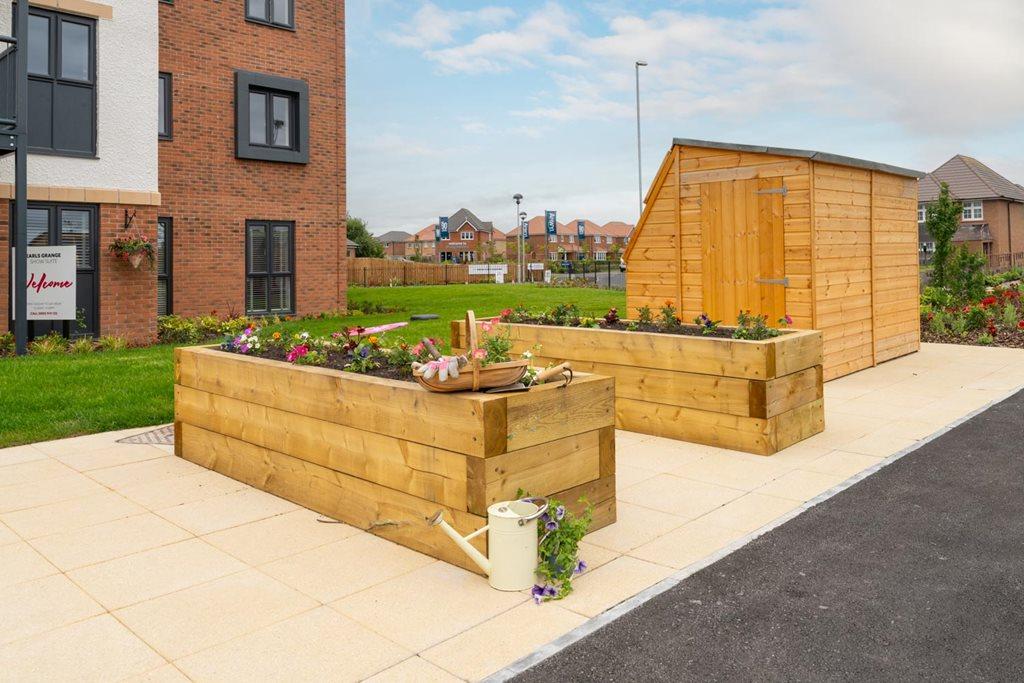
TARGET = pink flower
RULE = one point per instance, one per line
(297, 352)
(418, 349)
(789, 319)
(487, 325)
(480, 354)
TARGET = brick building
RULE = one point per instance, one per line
(396, 243)
(216, 129)
(992, 222)
(469, 240)
(599, 242)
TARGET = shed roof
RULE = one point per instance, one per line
(803, 153)
(968, 178)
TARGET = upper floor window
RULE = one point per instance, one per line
(922, 213)
(272, 118)
(572, 239)
(271, 12)
(62, 83)
(165, 124)
(466, 235)
(973, 211)
(553, 239)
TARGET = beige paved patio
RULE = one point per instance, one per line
(124, 562)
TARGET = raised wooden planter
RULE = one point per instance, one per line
(385, 455)
(753, 396)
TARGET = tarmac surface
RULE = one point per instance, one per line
(914, 573)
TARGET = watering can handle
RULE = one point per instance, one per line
(537, 500)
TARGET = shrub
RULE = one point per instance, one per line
(1010, 316)
(111, 343)
(49, 345)
(977, 318)
(985, 339)
(942, 221)
(82, 345)
(6, 343)
(753, 327)
(958, 325)
(938, 323)
(175, 329)
(966, 276)
(936, 298)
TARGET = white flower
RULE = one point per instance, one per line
(527, 355)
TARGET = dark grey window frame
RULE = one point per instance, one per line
(247, 81)
(167, 78)
(56, 18)
(168, 262)
(271, 273)
(270, 13)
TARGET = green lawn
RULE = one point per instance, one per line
(51, 397)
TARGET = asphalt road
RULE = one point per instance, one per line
(915, 573)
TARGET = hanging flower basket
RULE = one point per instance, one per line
(133, 247)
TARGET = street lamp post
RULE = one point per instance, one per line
(522, 219)
(519, 237)
(639, 165)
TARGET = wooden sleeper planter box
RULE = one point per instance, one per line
(753, 396)
(384, 455)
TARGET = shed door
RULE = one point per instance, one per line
(743, 250)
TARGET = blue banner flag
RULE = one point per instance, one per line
(581, 229)
(550, 224)
(442, 227)
(526, 230)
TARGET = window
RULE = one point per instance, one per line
(572, 239)
(553, 239)
(62, 83)
(600, 255)
(446, 256)
(270, 276)
(922, 213)
(164, 291)
(271, 12)
(466, 235)
(552, 256)
(271, 118)
(973, 211)
(165, 127)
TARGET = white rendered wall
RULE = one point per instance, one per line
(127, 65)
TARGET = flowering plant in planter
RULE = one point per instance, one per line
(132, 247)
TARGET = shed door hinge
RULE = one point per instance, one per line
(775, 190)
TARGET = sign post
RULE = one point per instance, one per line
(50, 289)
(20, 264)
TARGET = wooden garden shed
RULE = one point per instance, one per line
(830, 240)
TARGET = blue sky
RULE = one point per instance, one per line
(455, 104)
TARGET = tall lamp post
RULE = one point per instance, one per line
(519, 237)
(522, 219)
(639, 165)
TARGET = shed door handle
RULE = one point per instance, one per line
(784, 281)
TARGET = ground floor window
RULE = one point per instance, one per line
(446, 256)
(164, 290)
(269, 266)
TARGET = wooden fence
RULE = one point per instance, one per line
(378, 272)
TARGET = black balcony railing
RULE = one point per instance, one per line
(8, 87)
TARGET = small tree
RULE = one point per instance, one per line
(942, 222)
(366, 244)
(966, 276)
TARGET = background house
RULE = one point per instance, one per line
(469, 239)
(600, 242)
(993, 210)
(395, 243)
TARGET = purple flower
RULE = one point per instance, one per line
(560, 512)
(244, 348)
(364, 352)
(540, 593)
(581, 567)
(551, 525)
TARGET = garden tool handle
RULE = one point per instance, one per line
(545, 375)
(471, 335)
(540, 511)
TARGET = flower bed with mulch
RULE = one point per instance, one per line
(995, 320)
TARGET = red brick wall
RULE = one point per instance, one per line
(210, 194)
(1007, 231)
(127, 295)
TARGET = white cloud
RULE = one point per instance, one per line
(431, 26)
(392, 144)
(532, 41)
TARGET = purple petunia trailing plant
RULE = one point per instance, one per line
(559, 533)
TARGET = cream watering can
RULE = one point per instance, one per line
(512, 542)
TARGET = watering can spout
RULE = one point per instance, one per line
(467, 547)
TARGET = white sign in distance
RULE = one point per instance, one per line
(488, 268)
(52, 282)
(535, 266)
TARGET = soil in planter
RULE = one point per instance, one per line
(623, 326)
(1013, 339)
(338, 361)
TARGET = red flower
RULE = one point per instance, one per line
(988, 301)
(1020, 325)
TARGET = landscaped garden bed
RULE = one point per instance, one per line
(752, 388)
(385, 454)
